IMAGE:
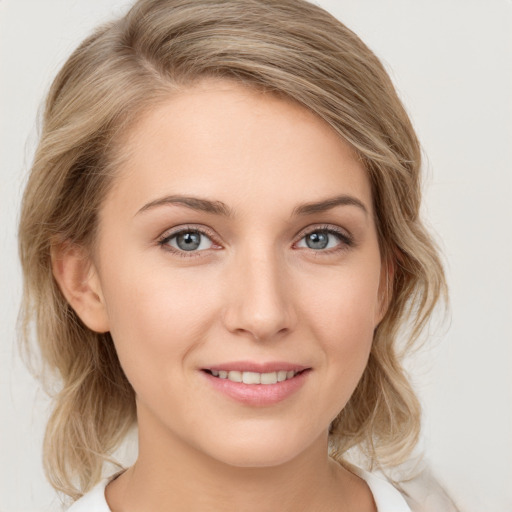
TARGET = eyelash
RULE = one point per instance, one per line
(346, 241)
(167, 237)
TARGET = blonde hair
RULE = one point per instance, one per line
(287, 47)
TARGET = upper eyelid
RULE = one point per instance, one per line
(208, 232)
(172, 232)
(323, 227)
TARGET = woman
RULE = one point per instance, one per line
(221, 243)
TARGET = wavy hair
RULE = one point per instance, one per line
(287, 47)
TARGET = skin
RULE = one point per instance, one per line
(253, 291)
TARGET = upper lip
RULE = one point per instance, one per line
(257, 367)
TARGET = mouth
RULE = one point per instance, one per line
(257, 384)
(254, 378)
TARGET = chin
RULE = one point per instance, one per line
(266, 449)
(258, 459)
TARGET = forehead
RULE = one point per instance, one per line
(222, 139)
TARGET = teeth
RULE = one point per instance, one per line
(269, 378)
(235, 376)
(250, 377)
(254, 377)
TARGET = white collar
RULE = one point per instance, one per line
(386, 497)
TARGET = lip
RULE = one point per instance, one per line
(252, 366)
(257, 395)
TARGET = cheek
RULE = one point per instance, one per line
(343, 305)
(155, 317)
(341, 315)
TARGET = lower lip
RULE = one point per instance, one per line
(258, 394)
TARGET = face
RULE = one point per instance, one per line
(238, 244)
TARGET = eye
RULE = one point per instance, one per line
(188, 240)
(322, 239)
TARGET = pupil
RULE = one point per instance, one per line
(317, 240)
(188, 241)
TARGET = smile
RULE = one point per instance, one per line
(254, 377)
(257, 385)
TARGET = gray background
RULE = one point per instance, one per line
(452, 63)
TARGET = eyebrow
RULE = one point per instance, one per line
(194, 203)
(220, 208)
(328, 204)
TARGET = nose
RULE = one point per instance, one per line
(259, 297)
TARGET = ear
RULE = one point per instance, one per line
(79, 282)
(387, 274)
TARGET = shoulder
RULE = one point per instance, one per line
(387, 498)
(425, 493)
(93, 501)
(418, 489)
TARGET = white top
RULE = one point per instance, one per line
(386, 497)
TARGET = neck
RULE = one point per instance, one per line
(173, 476)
